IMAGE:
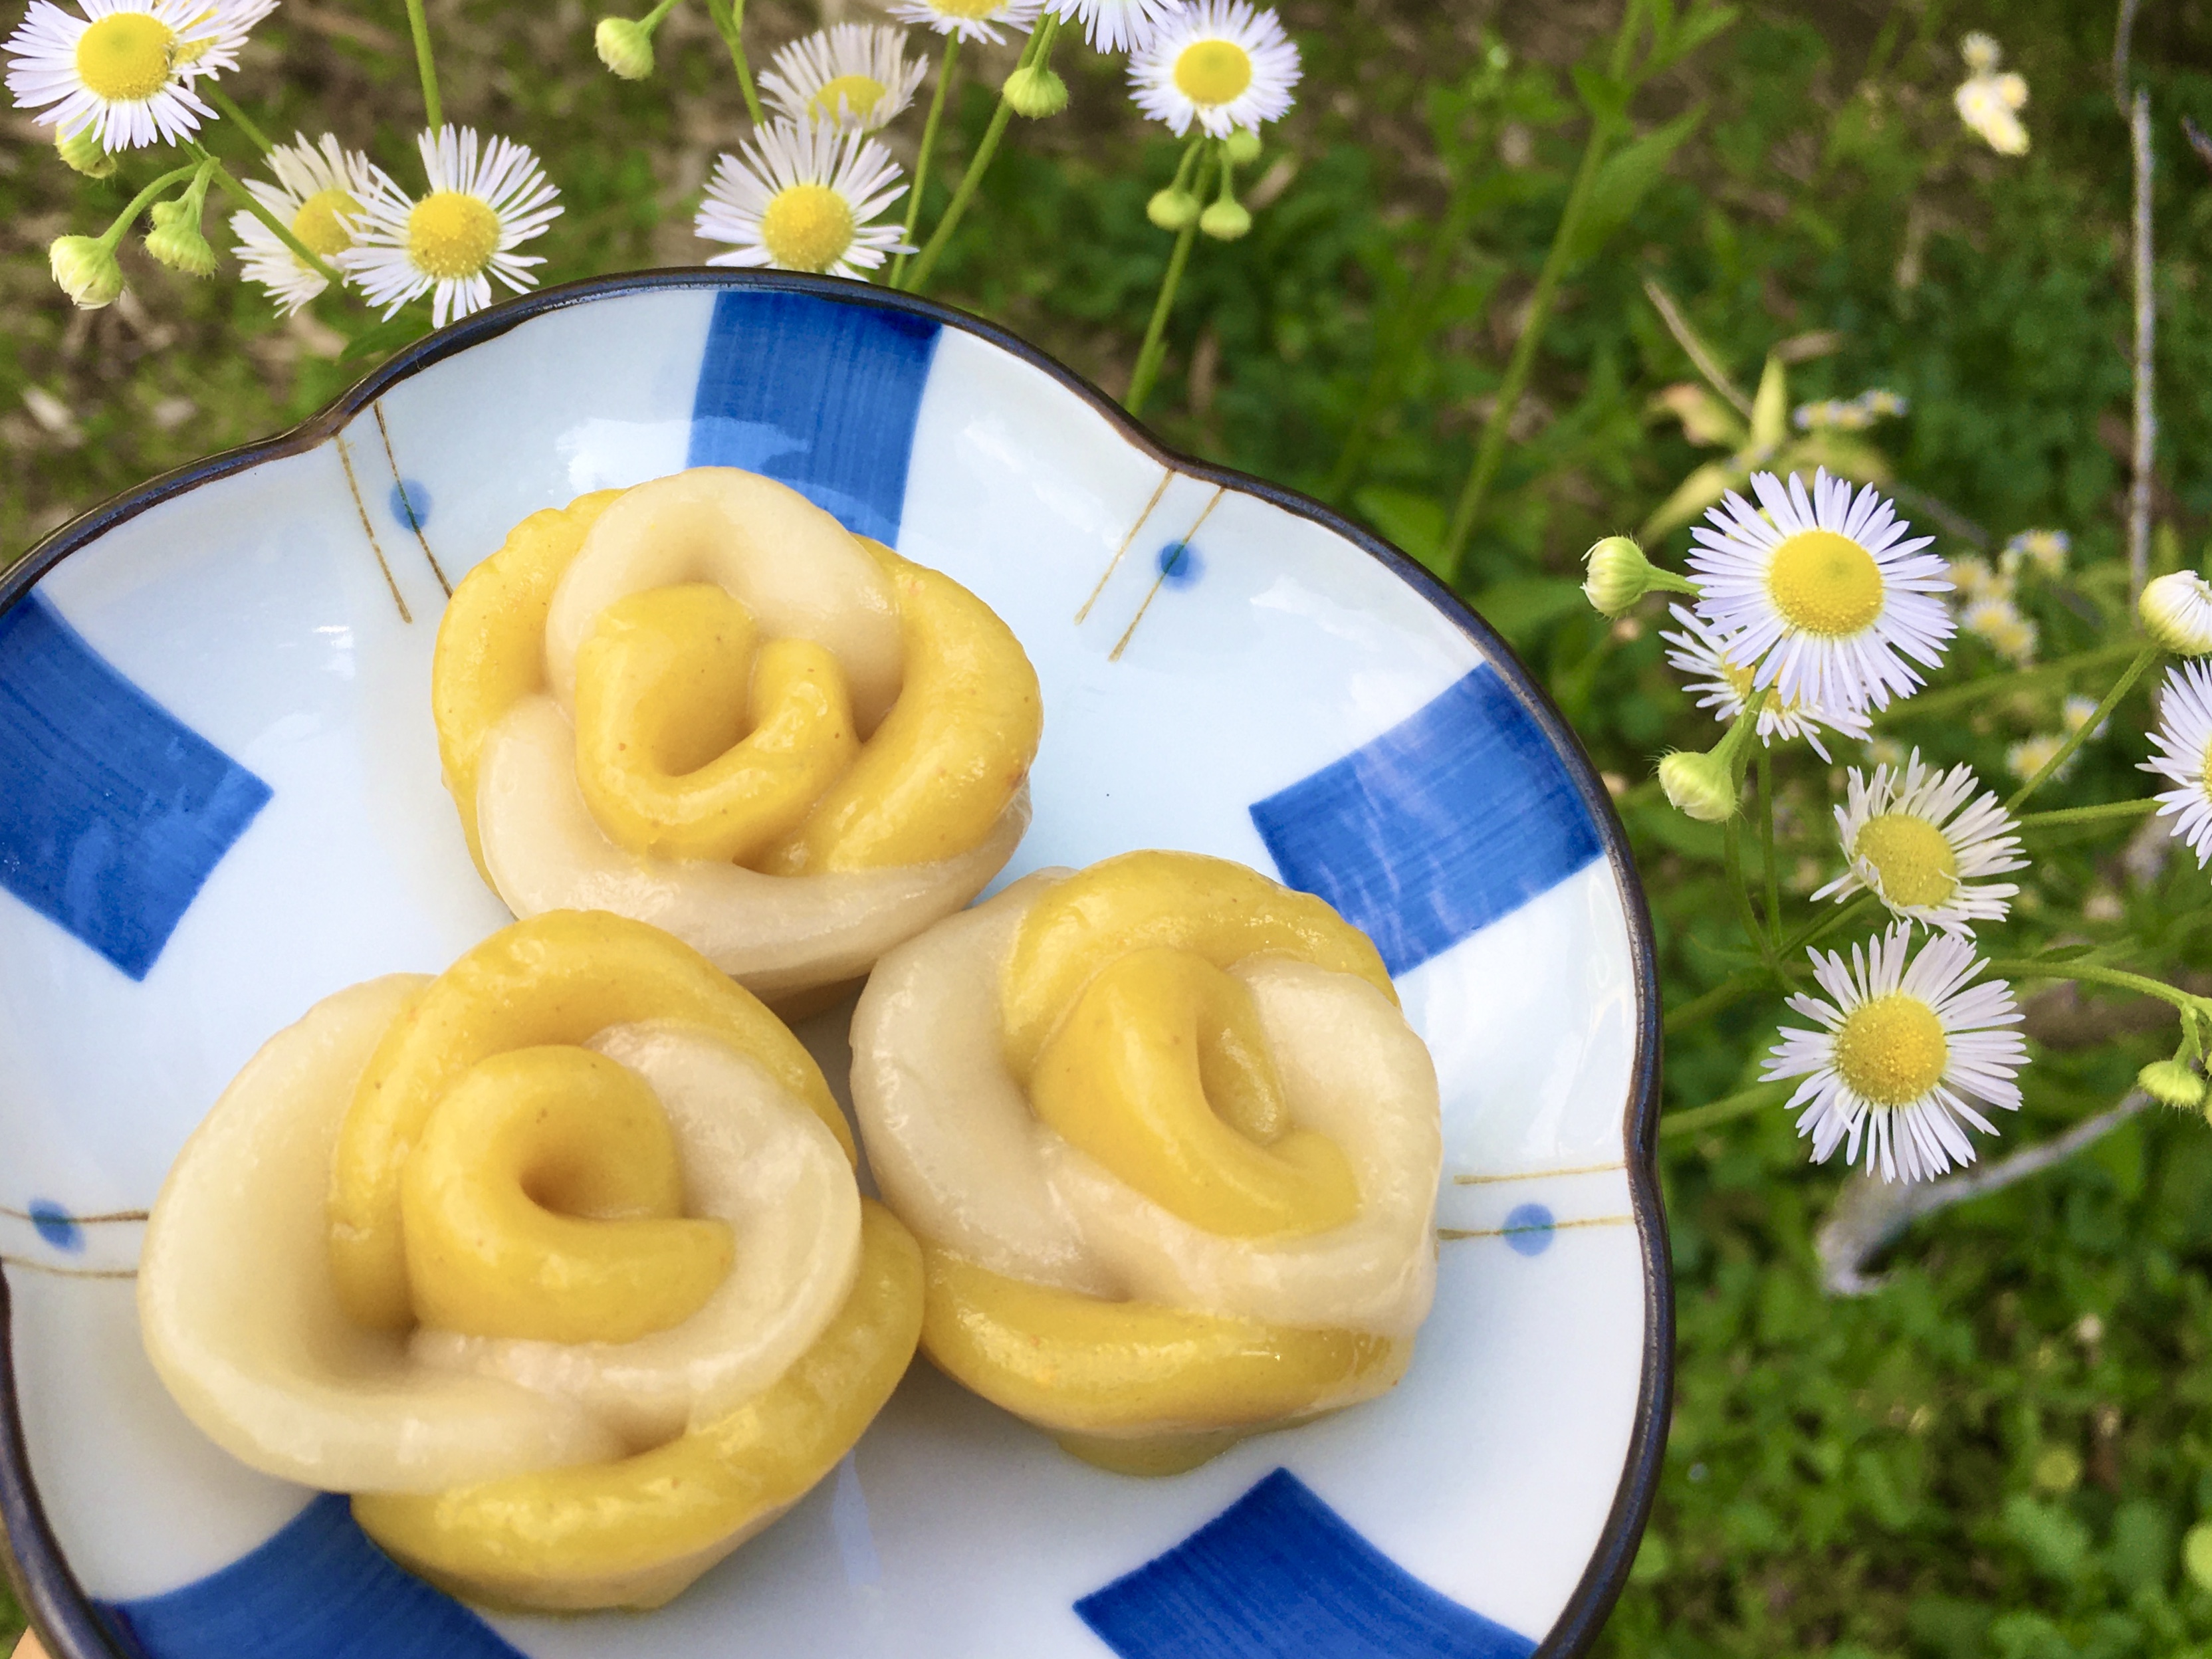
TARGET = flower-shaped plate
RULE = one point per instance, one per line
(220, 801)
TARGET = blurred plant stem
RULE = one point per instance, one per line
(1149, 355)
(946, 66)
(729, 17)
(2144, 658)
(419, 25)
(1037, 52)
(237, 117)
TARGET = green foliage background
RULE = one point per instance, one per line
(1999, 1453)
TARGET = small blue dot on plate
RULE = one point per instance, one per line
(411, 504)
(1180, 565)
(1528, 1228)
(56, 1226)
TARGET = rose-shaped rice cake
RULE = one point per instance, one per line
(704, 704)
(557, 1263)
(1171, 1149)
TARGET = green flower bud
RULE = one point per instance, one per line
(1172, 209)
(2177, 613)
(82, 151)
(2169, 1083)
(176, 241)
(1225, 221)
(625, 46)
(86, 270)
(1700, 785)
(1241, 147)
(1035, 93)
(1619, 575)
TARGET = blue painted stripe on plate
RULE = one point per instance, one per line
(1449, 820)
(318, 1590)
(819, 394)
(1279, 1575)
(113, 811)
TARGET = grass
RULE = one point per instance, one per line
(1999, 1452)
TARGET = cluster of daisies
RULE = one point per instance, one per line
(117, 76)
(1849, 414)
(812, 188)
(1810, 611)
(1988, 102)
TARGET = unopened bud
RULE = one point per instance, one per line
(82, 151)
(86, 269)
(1172, 209)
(625, 46)
(1034, 91)
(2169, 1083)
(176, 241)
(1618, 575)
(2177, 613)
(1241, 147)
(1225, 221)
(1700, 785)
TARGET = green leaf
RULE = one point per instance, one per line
(1692, 32)
(2065, 952)
(1521, 606)
(1769, 406)
(1622, 182)
(1605, 97)
(381, 340)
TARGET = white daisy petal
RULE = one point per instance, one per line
(123, 70)
(1115, 25)
(2183, 738)
(321, 187)
(1222, 64)
(855, 76)
(803, 197)
(1823, 596)
(1907, 1046)
(483, 202)
(1724, 683)
(971, 20)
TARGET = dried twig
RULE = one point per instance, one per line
(1693, 346)
(1870, 1213)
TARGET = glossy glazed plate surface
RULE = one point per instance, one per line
(220, 801)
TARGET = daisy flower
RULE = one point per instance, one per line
(1725, 687)
(123, 70)
(1988, 102)
(2074, 713)
(2184, 738)
(479, 209)
(971, 20)
(1220, 64)
(1981, 52)
(1972, 578)
(800, 198)
(2031, 755)
(855, 76)
(1901, 1048)
(1917, 841)
(1115, 25)
(320, 188)
(2043, 550)
(1998, 623)
(1821, 591)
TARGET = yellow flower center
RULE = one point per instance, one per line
(856, 93)
(1911, 857)
(1825, 584)
(967, 8)
(1214, 72)
(2204, 773)
(125, 56)
(1891, 1049)
(450, 234)
(807, 227)
(321, 222)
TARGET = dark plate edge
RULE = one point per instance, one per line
(59, 1607)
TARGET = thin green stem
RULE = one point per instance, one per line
(1813, 931)
(1766, 844)
(1741, 890)
(1154, 349)
(419, 25)
(144, 200)
(2023, 967)
(237, 117)
(1742, 1104)
(2111, 811)
(253, 205)
(1039, 52)
(1931, 703)
(946, 66)
(1490, 449)
(729, 17)
(2141, 666)
(1734, 989)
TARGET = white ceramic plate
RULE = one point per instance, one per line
(220, 801)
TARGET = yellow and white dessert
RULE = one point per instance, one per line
(704, 704)
(1170, 1148)
(557, 1263)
